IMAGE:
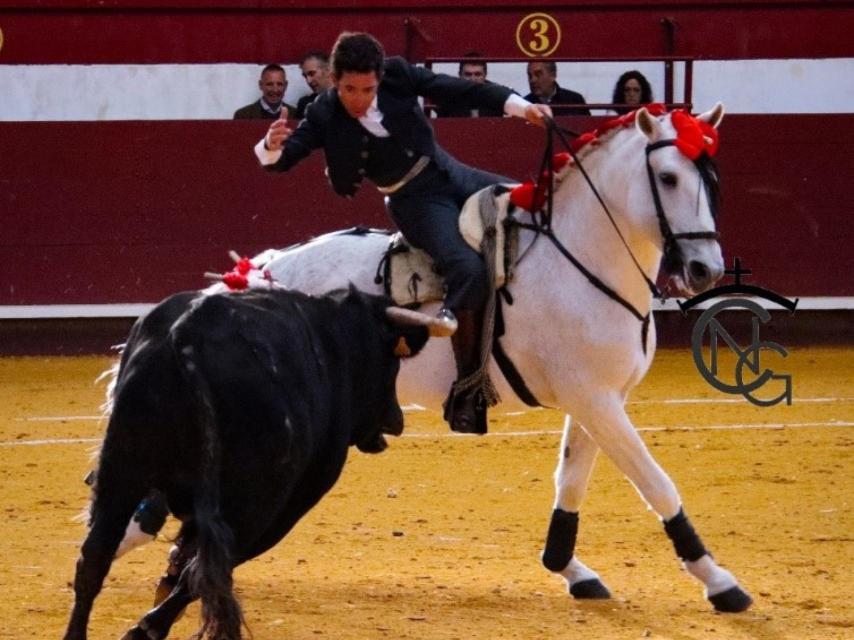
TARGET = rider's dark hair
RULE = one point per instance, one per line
(359, 53)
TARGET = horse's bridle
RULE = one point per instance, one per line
(671, 250)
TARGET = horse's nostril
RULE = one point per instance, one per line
(698, 270)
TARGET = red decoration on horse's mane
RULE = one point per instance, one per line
(693, 137)
(244, 275)
(243, 266)
(238, 278)
(532, 197)
(235, 281)
(522, 196)
(627, 120)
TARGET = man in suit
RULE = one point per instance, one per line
(370, 126)
(542, 78)
(475, 71)
(273, 84)
(315, 70)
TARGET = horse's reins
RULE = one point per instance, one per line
(545, 227)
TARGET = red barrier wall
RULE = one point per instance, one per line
(111, 212)
(158, 31)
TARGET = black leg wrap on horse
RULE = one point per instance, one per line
(560, 541)
(685, 540)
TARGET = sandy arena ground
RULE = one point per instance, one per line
(440, 536)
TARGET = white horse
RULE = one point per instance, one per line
(575, 347)
(580, 347)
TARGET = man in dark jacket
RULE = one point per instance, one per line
(271, 105)
(542, 78)
(370, 125)
(315, 69)
(473, 69)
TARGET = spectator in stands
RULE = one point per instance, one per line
(632, 90)
(370, 126)
(273, 84)
(474, 70)
(315, 71)
(542, 78)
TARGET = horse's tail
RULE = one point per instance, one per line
(210, 577)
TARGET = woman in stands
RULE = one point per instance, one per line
(631, 91)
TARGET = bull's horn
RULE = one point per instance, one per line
(215, 277)
(435, 327)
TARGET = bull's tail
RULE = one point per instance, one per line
(210, 576)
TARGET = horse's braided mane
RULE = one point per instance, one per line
(586, 143)
(708, 169)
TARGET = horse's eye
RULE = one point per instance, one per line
(668, 179)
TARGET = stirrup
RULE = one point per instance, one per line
(447, 318)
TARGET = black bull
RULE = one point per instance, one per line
(240, 409)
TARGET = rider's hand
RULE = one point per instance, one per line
(278, 133)
(534, 113)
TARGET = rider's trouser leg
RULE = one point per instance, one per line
(427, 212)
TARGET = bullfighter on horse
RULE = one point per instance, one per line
(371, 126)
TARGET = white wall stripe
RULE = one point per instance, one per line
(213, 91)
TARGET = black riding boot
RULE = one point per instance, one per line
(466, 412)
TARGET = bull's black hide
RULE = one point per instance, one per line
(240, 409)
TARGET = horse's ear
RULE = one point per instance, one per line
(647, 124)
(714, 115)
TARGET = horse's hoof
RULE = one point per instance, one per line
(592, 589)
(733, 600)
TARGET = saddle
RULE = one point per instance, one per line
(408, 274)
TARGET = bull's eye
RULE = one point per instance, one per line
(667, 179)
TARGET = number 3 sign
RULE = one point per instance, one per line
(538, 35)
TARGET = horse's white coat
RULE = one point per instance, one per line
(577, 349)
